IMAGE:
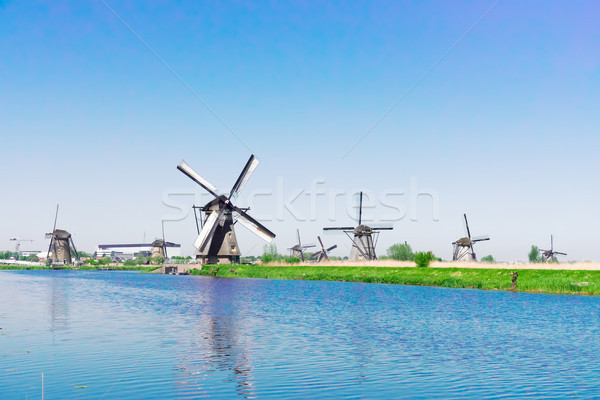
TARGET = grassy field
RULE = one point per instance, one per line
(529, 280)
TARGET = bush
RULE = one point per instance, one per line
(488, 259)
(291, 260)
(140, 260)
(270, 254)
(401, 252)
(534, 255)
(423, 259)
(130, 263)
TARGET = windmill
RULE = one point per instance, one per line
(322, 254)
(364, 238)
(159, 246)
(298, 249)
(216, 242)
(61, 249)
(549, 255)
(463, 247)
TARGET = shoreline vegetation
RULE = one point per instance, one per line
(577, 278)
(141, 268)
(550, 278)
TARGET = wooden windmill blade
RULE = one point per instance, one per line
(360, 209)
(193, 175)
(208, 228)
(244, 176)
(469, 236)
(481, 238)
(53, 229)
(73, 249)
(253, 225)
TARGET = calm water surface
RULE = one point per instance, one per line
(126, 335)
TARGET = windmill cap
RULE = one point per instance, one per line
(463, 241)
(61, 234)
(363, 230)
(215, 202)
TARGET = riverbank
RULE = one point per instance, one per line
(142, 268)
(555, 281)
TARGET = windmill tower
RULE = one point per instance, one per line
(550, 255)
(322, 255)
(223, 248)
(216, 242)
(298, 249)
(463, 247)
(61, 250)
(364, 238)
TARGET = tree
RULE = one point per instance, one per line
(270, 254)
(158, 260)
(534, 255)
(104, 261)
(401, 252)
(488, 259)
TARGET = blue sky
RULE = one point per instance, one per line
(504, 127)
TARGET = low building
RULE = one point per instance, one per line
(128, 251)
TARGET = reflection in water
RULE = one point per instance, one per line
(59, 307)
(218, 345)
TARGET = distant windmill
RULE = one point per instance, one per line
(298, 249)
(61, 249)
(463, 247)
(364, 238)
(323, 253)
(159, 246)
(550, 255)
(216, 242)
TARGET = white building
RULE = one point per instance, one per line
(131, 250)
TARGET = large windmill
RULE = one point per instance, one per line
(550, 255)
(216, 242)
(463, 247)
(61, 250)
(298, 249)
(364, 238)
(323, 253)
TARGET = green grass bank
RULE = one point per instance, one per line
(530, 280)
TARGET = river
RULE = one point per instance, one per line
(127, 335)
